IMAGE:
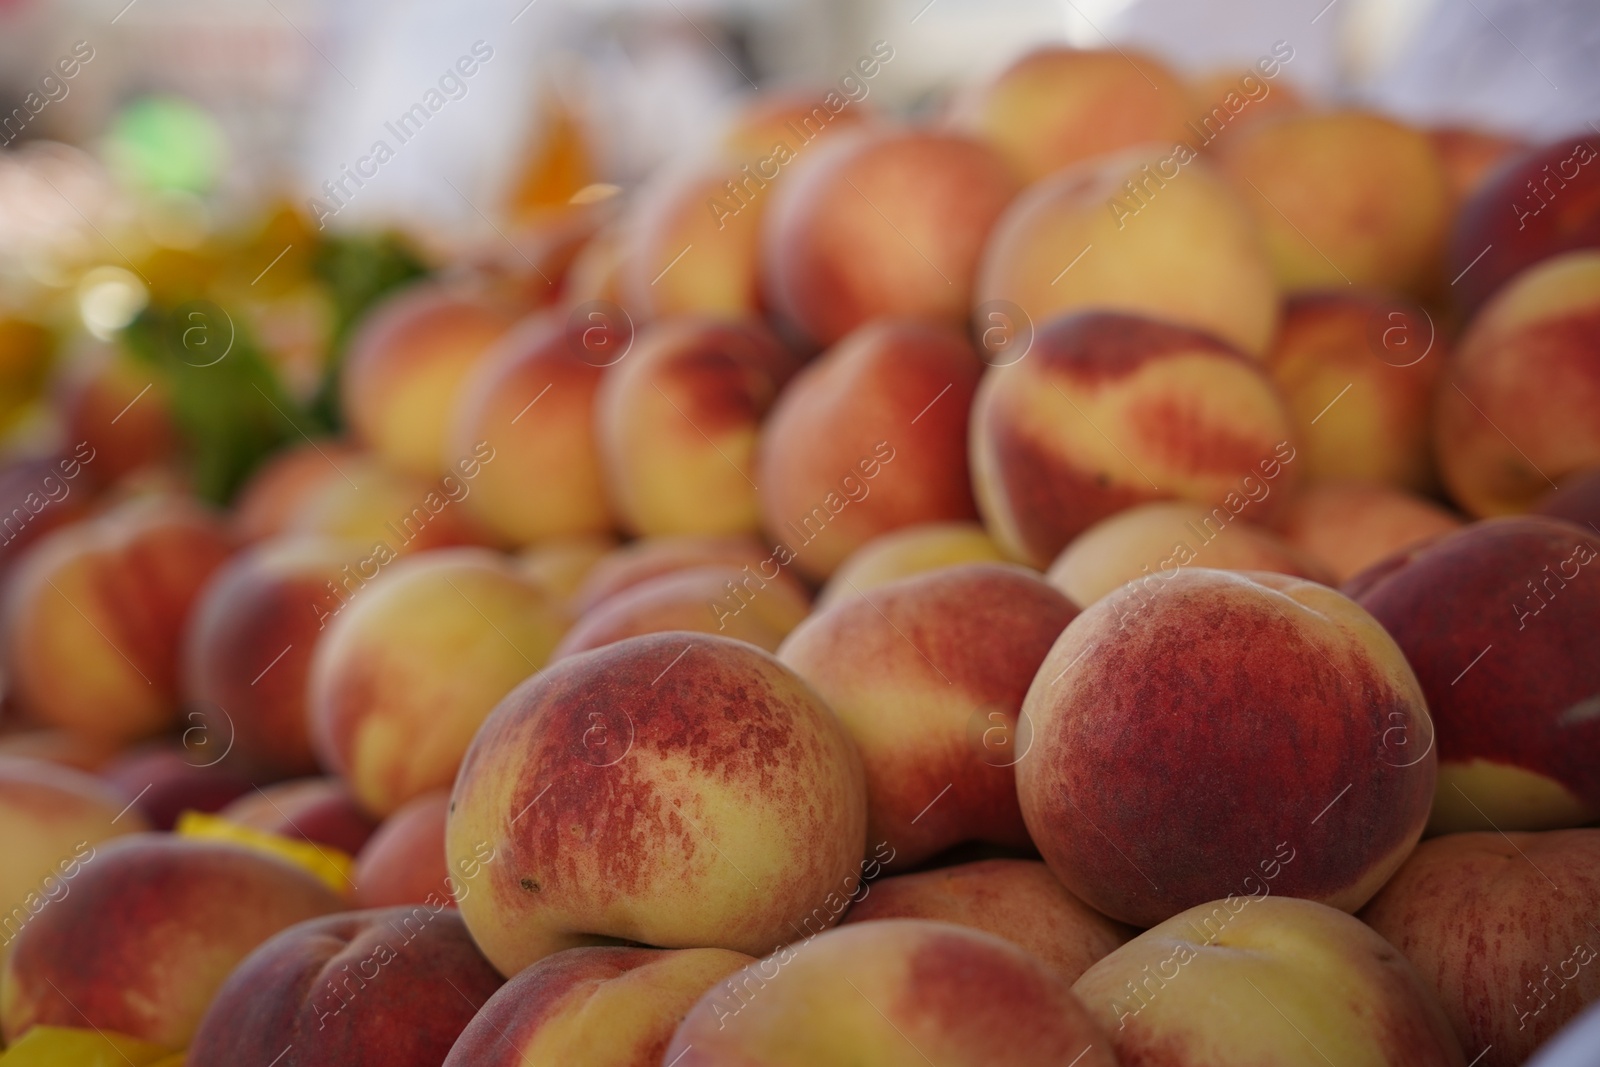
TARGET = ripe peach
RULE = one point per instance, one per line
(604, 1006)
(94, 616)
(1497, 621)
(1359, 372)
(910, 550)
(677, 424)
(57, 747)
(1515, 414)
(152, 927)
(1349, 526)
(711, 600)
(1146, 543)
(562, 564)
(892, 390)
(166, 777)
(247, 651)
(876, 224)
(319, 810)
(1542, 203)
(407, 362)
(370, 505)
(269, 502)
(650, 557)
(1470, 157)
(793, 118)
(1229, 98)
(901, 991)
(1056, 106)
(1251, 979)
(1113, 411)
(692, 245)
(1343, 197)
(1501, 927)
(1017, 900)
(1299, 711)
(530, 404)
(410, 667)
(927, 674)
(39, 494)
(1577, 500)
(676, 790)
(114, 410)
(1158, 232)
(392, 987)
(403, 861)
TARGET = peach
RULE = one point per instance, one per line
(51, 819)
(650, 557)
(677, 790)
(1017, 900)
(391, 986)
(1515, 414)
(1261, 979)
(528, 413)
(1359, 371)
(1348, 526)
(164, 778)
(1114, 411)
(94, 616)
(409, 669)
(910, 550)
(408, 360)
(1497, 619)
(1470, 157)
(1541, 203)
(247, 651)
(113, 409)
(928, 674)
(152, 927)
(1577, 500)
(901, 991)
(692, 244)
(275, 493)
(1148, 542)
(881, 223)
(793, 118)
(562, 564)
(39, 494)
(677, 424)
(387, 513)
(595, 276)
(1501, 927)
(1056, 106)
(56, 747)
(1298, 712)
(403, 861)
(1343, 197)
(1151, 230)
(603, 1006)
(894, 389)
(1227, 99)
(319, 810)
(708, 600)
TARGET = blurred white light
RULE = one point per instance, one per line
(108, 299)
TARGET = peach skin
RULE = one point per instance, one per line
(268, 503)
(403, 861)
(651, 557)
(910, 550)
(319, 810)
(1349, 526)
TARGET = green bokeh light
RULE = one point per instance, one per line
(165, 142)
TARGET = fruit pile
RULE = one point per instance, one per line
(1107, 575)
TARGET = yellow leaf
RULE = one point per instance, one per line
(329, 864)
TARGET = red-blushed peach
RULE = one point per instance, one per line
(896, 391)
(928, 674)
(94, 616)
(718, 599)
(677, 423)
(389, 986)
(1503, 929)
(900, 991)
(527, 413)
(1359, 372)
(1541, 203)
(403, 861)
(58, 747)
(408, 361)
(319, 810)
(562, 564)
(408, 670)
(602, 1006)
(114, 411)
(1343, 197)
(1515, 412)
(1470, 156)
(1111, 411)
(692, 243)
(1497, 619)
(1230, 98)
(39, 494)
(247, 651)
(1349, 526)
(269, 502)
(1058, 105)
(910, 550)
(1260, 728)
(677, 790)
(152, 927)
(1146, 543)
(51, 820)
(164, 778)
(386, 513)
(881, 223)
(794, 118)
(1576, 499)
(1017, 900)
(1151, 230)
(1265, 979)
(650, 557)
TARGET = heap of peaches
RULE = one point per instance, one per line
(1105, 576)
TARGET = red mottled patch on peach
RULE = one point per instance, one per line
(1094, 348)
(1168, 426)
